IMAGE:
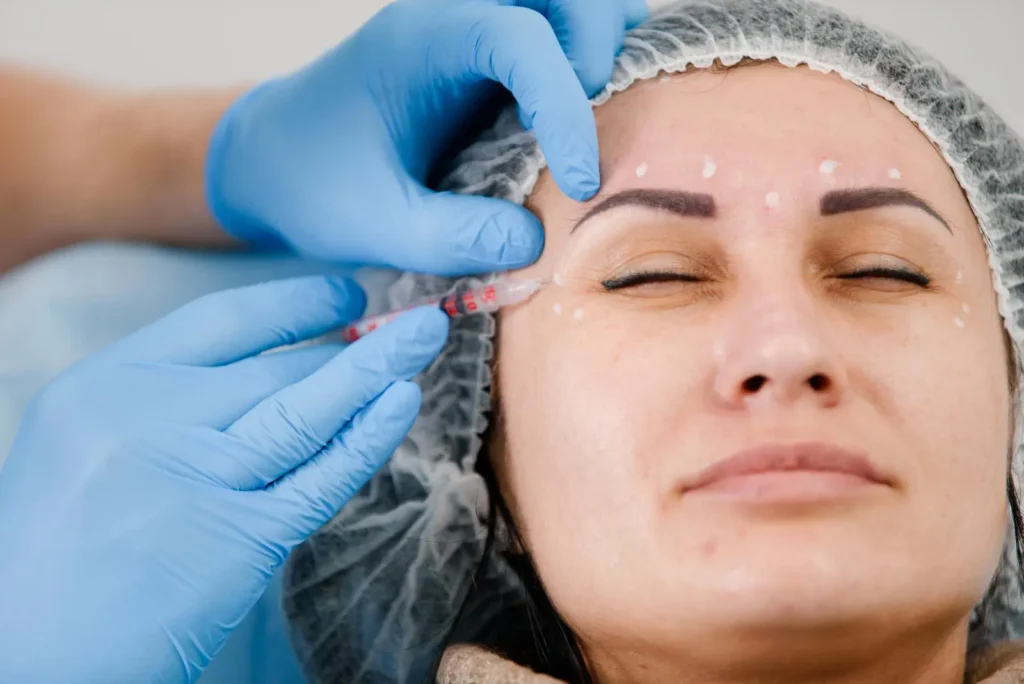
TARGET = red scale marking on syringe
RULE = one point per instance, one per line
(489, 299)
(469, 301)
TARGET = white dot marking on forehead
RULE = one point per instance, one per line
(895, 174)
(959, 322)
(641, 170)
(966, 309)
(557, 279)
(710, 167)
(578, 314)
(557, 308)
(959, 277)
(772, 200)
(828, 167)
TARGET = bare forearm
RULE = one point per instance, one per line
(79, 163)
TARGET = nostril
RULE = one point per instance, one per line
(754, 383)
(819, 382)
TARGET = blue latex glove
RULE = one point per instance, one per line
(331, 161)
(154, 488)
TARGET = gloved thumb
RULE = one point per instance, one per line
(467, 234)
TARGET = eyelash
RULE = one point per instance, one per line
(653, 277)
(647, 278)
(904, 275)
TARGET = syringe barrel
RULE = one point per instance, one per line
(489, 298)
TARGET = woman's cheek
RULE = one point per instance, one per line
(935, 403)
(610, 391)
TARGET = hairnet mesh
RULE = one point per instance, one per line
(371, 596)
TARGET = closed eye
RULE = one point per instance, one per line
(889, 274)
(648, 278)
(655, 277)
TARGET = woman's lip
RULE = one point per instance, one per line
(815, 469)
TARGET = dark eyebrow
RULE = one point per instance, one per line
(689, 204)
(861, 199)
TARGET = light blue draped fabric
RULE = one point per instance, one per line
(67, 305)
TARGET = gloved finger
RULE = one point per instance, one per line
(252, 380)
(227, 326)
(463, 234)
(517, 47)
(636, 13)
(293, 425)
(590, 34)
(215, 398)
(315, 492)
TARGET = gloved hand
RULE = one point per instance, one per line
(331, 161)
(153, 489)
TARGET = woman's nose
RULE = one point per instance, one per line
(779, 357)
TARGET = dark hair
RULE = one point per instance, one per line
(534, 635)
(531, 633)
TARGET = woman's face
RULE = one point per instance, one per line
(779, 272)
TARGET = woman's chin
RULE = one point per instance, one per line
(775, 607)
(795, 582)
(802, 571)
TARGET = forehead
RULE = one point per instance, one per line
(767, 142)
(762, 123)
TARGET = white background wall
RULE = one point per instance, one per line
(152, 43)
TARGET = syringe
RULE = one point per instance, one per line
(486, 299)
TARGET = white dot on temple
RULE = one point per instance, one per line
(558, 309)
(578, 314)
(641, 170)
(558, 280)
(772, 200)
(959, 322)
(895, 174)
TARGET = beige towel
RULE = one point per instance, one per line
(465, 664)
(1002, 664)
